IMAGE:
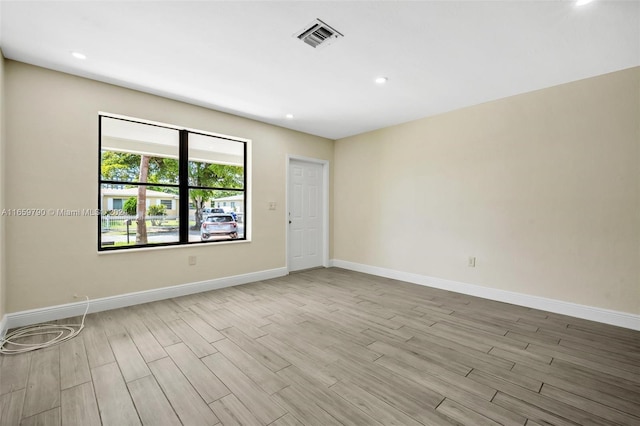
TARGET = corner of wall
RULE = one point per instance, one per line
(2, 182)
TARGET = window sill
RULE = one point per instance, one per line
(172, 247)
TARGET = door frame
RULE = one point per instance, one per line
(325, 205)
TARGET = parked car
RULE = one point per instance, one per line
(219, 224)
(210, 210)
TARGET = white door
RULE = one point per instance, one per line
(305, 215)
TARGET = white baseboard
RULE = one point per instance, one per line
(607, 316)
(3, 326)
(51, 313)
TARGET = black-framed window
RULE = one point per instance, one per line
(165, 176)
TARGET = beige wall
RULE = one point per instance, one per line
(2, 179)
(52, 156)
(543, 188)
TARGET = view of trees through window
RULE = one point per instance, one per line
(158, 184)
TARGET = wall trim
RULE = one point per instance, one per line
(3, 325)
(592, 313)
(51, 313)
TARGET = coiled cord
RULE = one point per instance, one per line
(62, 332)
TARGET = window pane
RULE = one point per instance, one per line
(215, 162)
(211, 207)
(126, 146)
(140, 168)
(116, 204)
(120, 227)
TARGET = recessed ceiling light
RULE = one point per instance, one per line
(78, 55)
(582, 2)
(289, 116)
(381, 80)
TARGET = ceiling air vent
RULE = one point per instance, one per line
(318, 34)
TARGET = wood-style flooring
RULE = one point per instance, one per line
(328, 347)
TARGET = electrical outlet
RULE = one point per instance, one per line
(272, 205)
(192, 260)
(472, 262)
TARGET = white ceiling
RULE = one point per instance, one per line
(241, 57)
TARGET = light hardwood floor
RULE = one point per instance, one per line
(328, 347)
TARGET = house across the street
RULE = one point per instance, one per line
(114, 199)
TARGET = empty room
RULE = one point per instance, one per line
(320, 213)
